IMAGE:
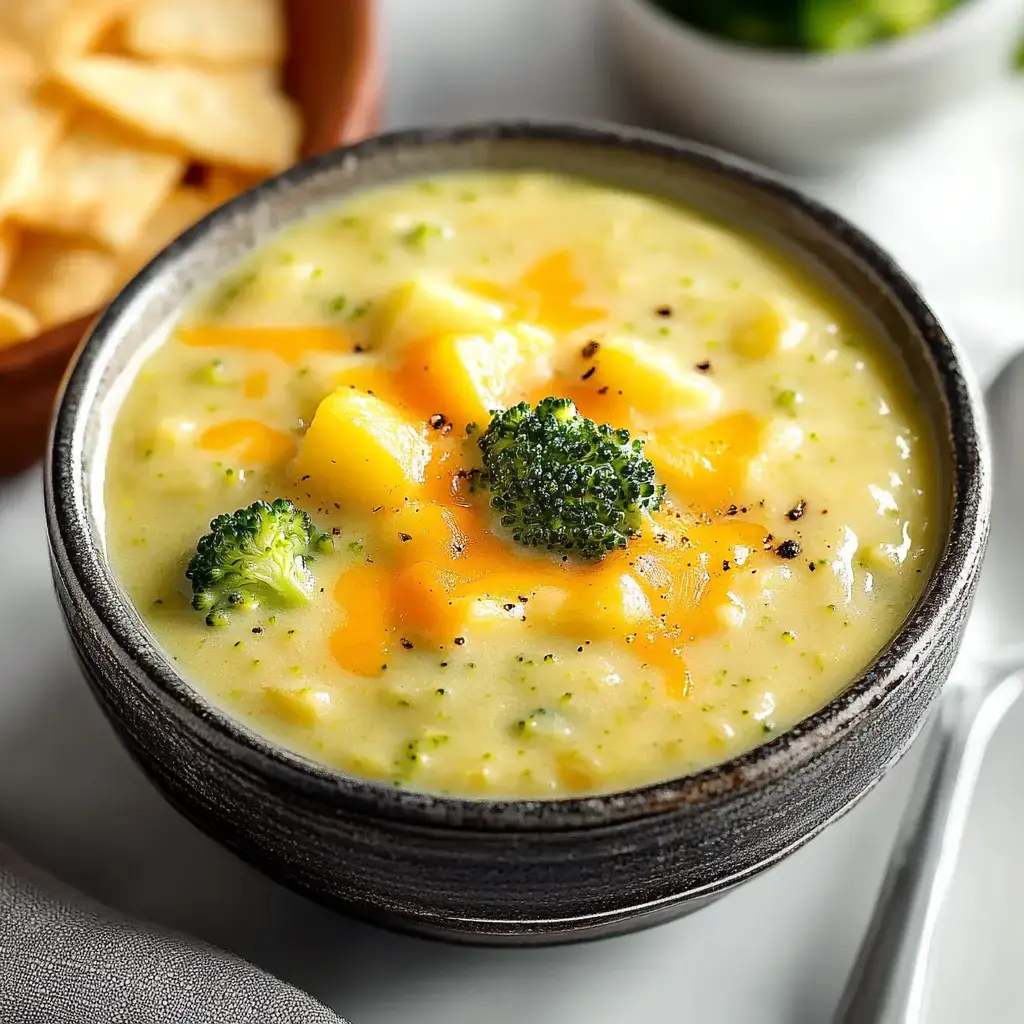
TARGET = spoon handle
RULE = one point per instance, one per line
(889, 981)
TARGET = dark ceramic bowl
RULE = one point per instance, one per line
(513, 871)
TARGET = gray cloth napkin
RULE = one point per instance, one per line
(66, 959)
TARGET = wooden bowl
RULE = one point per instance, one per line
(333, 73)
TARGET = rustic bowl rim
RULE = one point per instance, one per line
(80, 568)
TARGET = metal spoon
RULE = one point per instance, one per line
(889, 981)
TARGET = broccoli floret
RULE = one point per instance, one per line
(255, 555)
(564, 482)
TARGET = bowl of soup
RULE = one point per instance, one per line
(517, 533)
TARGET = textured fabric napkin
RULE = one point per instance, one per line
(65, 959)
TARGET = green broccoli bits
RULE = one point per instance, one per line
(565, 483)
(257, 555)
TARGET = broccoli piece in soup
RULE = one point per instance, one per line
(563, 482)
(257, 555)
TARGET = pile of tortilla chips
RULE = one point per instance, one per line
(122, 122)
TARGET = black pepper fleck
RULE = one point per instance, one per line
(407, 644)
(405, 537)
(797, 510)
(788, 549)
(590, 373)
(459, 641)
(437, 420)
(590, 349)
(705, 366)
(664, 311)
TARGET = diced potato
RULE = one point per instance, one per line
(426, 307)
(305, 706)
(465, 377)
(707, 467)
(781, 442)
(772, 328)
(618, 375)
(576, 771)
(170, 433)
(361, 451)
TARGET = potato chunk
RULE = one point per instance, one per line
(304, 706)
(361, 451)
(465, 377)
(426, 307)
(772, 327)
(618, 378)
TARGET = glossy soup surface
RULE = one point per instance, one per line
(438, 654)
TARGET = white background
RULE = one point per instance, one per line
(949, 202)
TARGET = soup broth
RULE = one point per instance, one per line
(352, 365)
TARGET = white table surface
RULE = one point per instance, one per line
(950, 203)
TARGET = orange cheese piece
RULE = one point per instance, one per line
(254, 441)
(362, 641)
(288, 343)
(707, 467)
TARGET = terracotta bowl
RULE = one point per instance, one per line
(516, 871)
(333, 73)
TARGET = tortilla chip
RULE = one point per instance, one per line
(9, 238)
(17, 65)
(16, 323)
(225, 117)
(212, 32)
(58, 279)
(52, 29)
(29, 128)
(179, 212)
(225, 183)
(101, 183)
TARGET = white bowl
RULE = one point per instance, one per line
(809, 111)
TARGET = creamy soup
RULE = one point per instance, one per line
(353, 364)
